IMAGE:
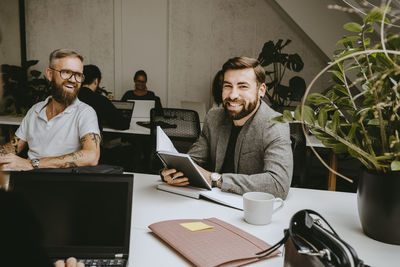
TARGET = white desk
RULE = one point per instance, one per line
(134, 128)
(151, 205)
(10, 120)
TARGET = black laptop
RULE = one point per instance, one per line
(126, 108)
(87, 216)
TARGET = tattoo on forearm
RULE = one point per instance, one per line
(93, 137)
(72, 158)
(11, 147)
(3, 151)
(69, 165)
(14, 143)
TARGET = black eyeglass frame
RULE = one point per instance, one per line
(73, 73)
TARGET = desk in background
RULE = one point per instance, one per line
(134, 128)
(312, 141)
(151, 205)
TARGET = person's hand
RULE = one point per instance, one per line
(71, 262)
(13, 162)
(206, 174)
(173, 177)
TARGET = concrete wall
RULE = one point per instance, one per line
(143, 43)
(180, 43)
(10, 52)
(85, 26)
(329, 28)
(204, 34)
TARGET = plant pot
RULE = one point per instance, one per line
(379, 205)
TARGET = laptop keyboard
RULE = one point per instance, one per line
(103, 262)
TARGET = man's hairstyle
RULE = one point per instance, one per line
(61, 53)
(239, 63)
(140, 73)
(217, 87)
(91, 72)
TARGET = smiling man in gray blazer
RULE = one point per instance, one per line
(242, 148)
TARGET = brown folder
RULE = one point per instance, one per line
(223, 245)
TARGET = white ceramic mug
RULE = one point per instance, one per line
(258, 207)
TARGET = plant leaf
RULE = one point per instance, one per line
(318, 99)
(348, 39)
(339, 148)
(395, 165)
(287, 116)
(375, 15)
(338, 75)
(335, 121)
(322, 118)
(353, 27)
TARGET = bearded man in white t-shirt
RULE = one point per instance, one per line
(61, 131)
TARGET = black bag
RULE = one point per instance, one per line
(101, 168)
(308, 242)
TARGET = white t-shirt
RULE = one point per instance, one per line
(59, 136)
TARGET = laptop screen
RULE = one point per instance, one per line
(83, 214)
(125, 107)
(142, 108)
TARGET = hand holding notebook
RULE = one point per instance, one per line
(180, 162)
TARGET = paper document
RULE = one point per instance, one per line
(225, 198)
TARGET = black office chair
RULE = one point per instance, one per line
(182, 126)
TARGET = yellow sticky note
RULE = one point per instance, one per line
(196, 226)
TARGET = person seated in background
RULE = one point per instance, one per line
(61, 131)
(106, 112)
(141, 91)
(238, 143)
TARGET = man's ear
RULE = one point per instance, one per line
(96, 81)
(49, 74)
(261, 90)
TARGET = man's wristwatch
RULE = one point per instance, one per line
(35, 163)
(215, 178)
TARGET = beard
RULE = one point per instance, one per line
(62, 96)
(246, 109)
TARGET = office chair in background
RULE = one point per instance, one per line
(182, 126)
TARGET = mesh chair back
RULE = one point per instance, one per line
(182, 126)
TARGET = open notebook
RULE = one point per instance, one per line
(172, 159)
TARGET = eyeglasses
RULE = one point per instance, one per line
(67, 74)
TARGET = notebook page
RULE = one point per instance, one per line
(163, 142)
(226, 198)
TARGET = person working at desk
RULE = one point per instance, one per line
(61, 131)
(244, 150)
(106, 112)
(141, 92)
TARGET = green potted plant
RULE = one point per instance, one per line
(364, 123)
(20, 90)
(276, 64)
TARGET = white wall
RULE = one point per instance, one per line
(204, 34)
(85, 26)
(323, 25)
(180, 43)
(10, 51)
(143, 44)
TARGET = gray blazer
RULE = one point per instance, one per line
(263, 159)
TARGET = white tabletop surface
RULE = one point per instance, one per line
(151, 205)
(10, 120)
(133, 129)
